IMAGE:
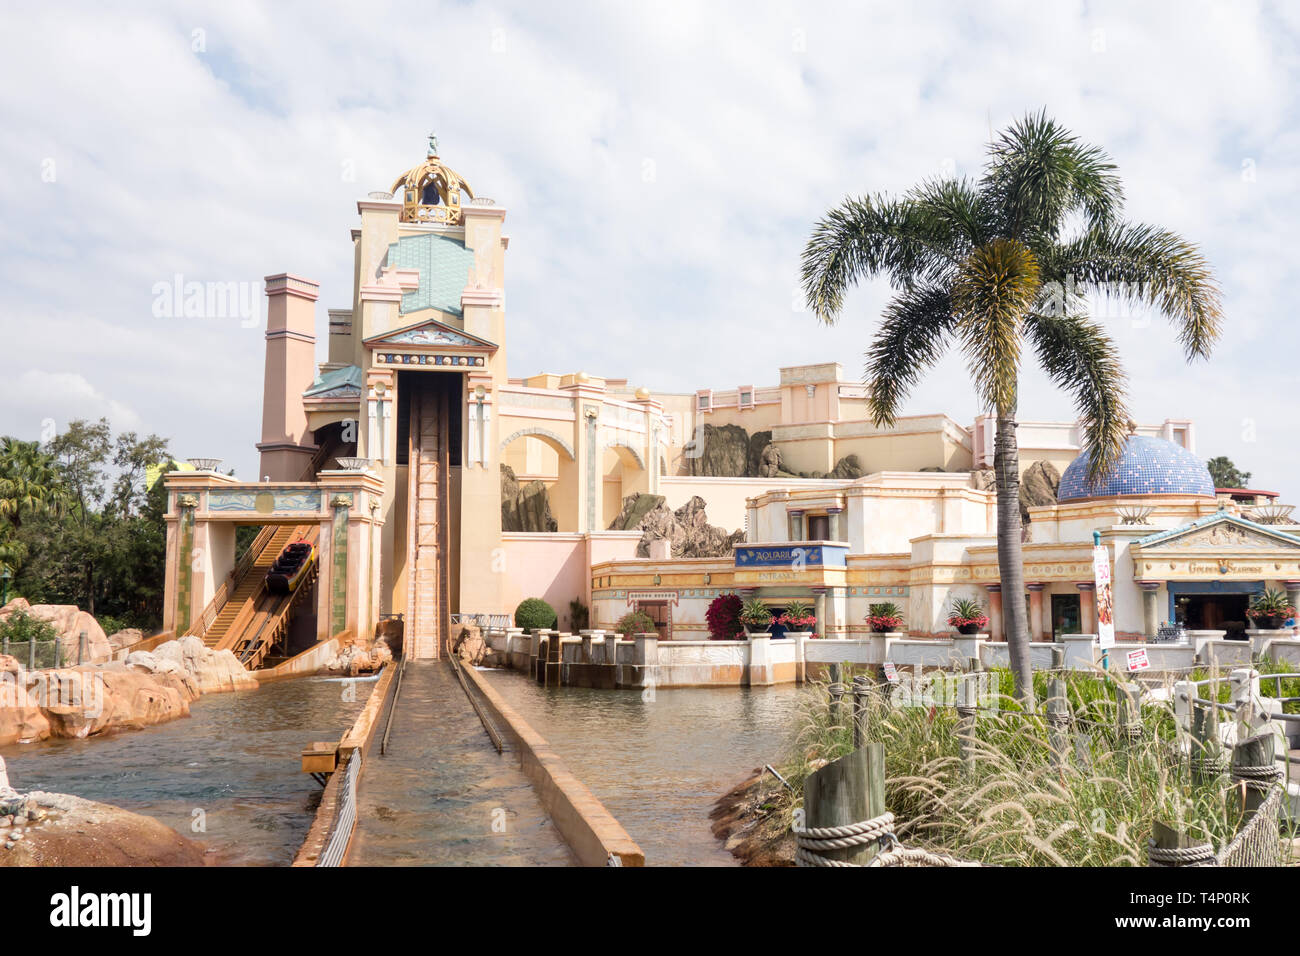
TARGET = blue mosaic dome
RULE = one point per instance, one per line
(1146, 466)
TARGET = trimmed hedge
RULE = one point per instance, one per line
(535, 613)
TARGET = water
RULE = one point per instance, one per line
(442, 795)
(659, 766)
(235, 758)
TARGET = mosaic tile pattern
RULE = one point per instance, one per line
(1147, 466)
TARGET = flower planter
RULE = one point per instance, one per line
(1272, 622)
(968, 629)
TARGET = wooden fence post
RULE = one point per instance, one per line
(1166, 838)
(1058, 720)
(1207, 749)
(1252, 759)
(1128, 714)
(848, 790)
(836, 691)
(861, 688)
(967, 705)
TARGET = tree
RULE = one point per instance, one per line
(29, 481)
(999, 265)
(1225, 474)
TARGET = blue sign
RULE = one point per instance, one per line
(791, 555)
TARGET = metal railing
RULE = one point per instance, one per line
(484, 621)
(42, 654)
(345, 819)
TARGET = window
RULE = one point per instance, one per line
(819, 528)
(746, 398)
(705, 401)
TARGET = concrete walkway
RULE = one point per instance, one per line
(442, 795)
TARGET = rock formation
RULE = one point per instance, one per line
(148, 688)
(1038, 486)
(719, 451)
(468, 644)
(524, 507)
(57, 829)
(635, 508)
(360, 657)
(687, 529)
(210, 670)
(69, 621)
(848, 467)
(124, 638)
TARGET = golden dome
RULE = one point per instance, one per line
(431, 191)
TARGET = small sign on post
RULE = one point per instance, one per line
(890, 671)
(1137, 660)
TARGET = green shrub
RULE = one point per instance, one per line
(579, 615)
(535, 613)
(19, 628)
(635, 622)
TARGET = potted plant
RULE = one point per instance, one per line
(967, 616)
(1271, 610)
(755, 616)
(885, 617)
(798, 616)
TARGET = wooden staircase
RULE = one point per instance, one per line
(242, 597)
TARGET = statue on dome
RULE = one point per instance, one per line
(433, 144)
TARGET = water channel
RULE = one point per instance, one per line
(659, 764)
(442, 795)
(235, 759)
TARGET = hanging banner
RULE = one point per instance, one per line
(1105, 598)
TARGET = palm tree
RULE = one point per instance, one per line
(29, 481)
(1001, 264)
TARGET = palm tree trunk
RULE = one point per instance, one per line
(1011, 568)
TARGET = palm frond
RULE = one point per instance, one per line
(863, 237)
(916, 328)
(1040, 172)
(997, 286)
(1141, 263)
(956, 214)
(1080, 357)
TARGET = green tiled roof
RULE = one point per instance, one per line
(444, 265)
(335, 378)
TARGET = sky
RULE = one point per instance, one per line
(662, 165)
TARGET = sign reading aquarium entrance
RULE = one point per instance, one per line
(791, 555)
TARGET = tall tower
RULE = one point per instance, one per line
(286, 446)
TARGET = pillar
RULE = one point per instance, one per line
(1151, 608)
(836, 516)
(1087, 606)
(1293, 593)
(819, 609)
(187, 504)
(1035, 610)
(338, 576)
(286, 446)
(995, 612)
(795, 518)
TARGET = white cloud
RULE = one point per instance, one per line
(245, 159)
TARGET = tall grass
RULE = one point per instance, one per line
(1019, 806)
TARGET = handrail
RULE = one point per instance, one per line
(209, 613)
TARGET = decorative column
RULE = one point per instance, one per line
(342, 504)
(1087, 606)
(185, 563)
(1035, 590)
(1151, 608)
(1292, 593)
(819, 609)
(795, 518)
(995, 612)
(836, 522)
